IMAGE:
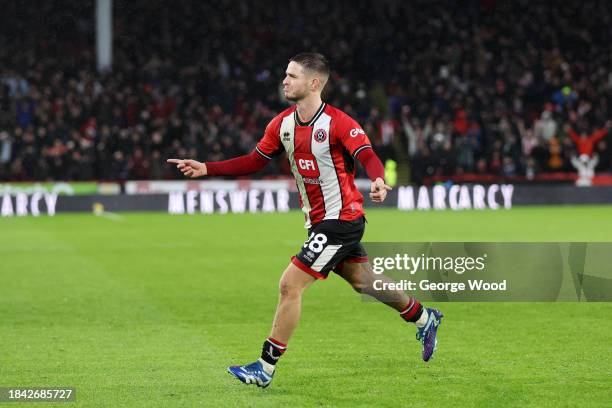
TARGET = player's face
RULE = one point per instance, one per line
(295, 84)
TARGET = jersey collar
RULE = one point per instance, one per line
(314, 118)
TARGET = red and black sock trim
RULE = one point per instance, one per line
(272, 350)
(412, 312)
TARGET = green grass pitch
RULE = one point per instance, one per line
(147, 310)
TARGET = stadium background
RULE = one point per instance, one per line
(147, 309)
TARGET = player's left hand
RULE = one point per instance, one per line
(378, 190)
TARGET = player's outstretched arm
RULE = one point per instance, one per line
(190, 168)
(239, 166)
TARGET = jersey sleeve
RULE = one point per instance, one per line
(372, 164)
(352, 136)
(238, 166)
(270, 145)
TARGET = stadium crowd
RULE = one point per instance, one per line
(485, 87)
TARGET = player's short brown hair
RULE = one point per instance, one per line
(313, 61)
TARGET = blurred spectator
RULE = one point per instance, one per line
(546, 127)
(586, 143)
(586, 162)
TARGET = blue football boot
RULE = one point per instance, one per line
(253, 373)
(427, 334)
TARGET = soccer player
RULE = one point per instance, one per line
(322, 144)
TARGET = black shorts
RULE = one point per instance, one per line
(329, 244)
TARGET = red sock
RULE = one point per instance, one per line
(412, 311)
(272, 350)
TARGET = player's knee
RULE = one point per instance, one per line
(288, 290)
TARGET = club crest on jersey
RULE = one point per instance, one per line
(320, 135)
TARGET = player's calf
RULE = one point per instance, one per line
(361, 278)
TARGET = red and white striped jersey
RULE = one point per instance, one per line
(322, 157)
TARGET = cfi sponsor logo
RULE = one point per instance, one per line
(356, 132)
(320, 135)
